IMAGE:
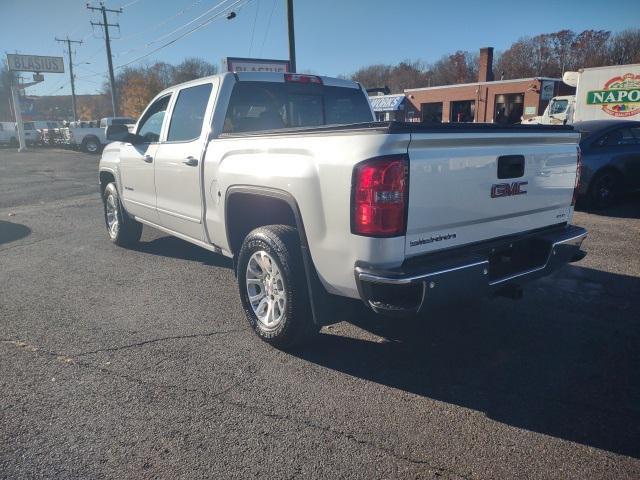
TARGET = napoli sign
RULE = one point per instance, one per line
(620, 96)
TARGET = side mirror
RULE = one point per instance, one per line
(120, 133)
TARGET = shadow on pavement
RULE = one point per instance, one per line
(175, 248)
(10, 232)
(563, 362)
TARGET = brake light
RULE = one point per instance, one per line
(576, 186)
(379, 197)
(294, 77)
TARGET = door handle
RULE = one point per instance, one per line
(191, 161)
(147, 158)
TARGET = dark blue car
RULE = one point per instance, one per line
(610, 160)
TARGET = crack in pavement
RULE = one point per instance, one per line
(156, 340)
(218, 396)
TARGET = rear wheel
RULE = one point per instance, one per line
(273, 287)
(605, 190)
(90, 145)
(122, 229)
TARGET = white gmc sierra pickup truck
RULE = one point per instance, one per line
(290, 176)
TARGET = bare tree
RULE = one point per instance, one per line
(624, 47)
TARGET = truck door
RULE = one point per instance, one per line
(178, 162)
(136, 163)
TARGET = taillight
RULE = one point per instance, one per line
(380, 196)
(576, 186)
(297, 78)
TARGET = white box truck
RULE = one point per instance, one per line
(602, 93)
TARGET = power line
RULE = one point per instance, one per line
(105, 24)
(164, 22)
(253, 29)
(198, 27)
(266, 32)
(167, 35)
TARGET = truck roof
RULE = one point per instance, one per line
(264, 77)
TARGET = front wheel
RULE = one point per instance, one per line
(122, 229)
(273, 287)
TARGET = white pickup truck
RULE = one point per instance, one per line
(290, 176)
(90, 136)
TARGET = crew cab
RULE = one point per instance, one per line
(290, 176)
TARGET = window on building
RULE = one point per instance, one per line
(509, 108)
(463, 111)
(431, 112)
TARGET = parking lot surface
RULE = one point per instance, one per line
(139, 363)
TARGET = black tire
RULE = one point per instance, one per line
(128, 231)
(13, 142)
(282, 244)
(605, 190)
(90, 145)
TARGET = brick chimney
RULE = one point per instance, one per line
(485, 65)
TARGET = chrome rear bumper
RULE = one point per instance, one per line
(470, 271)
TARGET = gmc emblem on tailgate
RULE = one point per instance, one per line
(508, 189)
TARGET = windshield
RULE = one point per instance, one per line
(122, 121)
(256, 106)
(558, 106)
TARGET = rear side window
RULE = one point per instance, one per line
(620, 137)
(188, 113)
(256, 106)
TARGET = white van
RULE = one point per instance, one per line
(8, 134)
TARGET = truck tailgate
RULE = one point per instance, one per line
(456, 196)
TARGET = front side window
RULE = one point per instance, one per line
(256, 106)
(151, 124)
(188, 113)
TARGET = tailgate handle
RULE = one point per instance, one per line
(510, 166)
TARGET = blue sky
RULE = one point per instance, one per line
(332, 36)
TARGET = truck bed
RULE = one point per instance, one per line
(406, 127)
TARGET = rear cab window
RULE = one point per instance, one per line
(257, 106)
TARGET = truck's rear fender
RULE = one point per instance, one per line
(316, 170)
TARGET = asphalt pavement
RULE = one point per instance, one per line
(139, 363)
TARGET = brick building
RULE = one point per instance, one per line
(487, 100)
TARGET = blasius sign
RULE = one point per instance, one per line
(238, 65)
(35, 63)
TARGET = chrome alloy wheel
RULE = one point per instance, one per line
(266, 289)
(113, 223)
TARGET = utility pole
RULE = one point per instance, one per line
(292, 37)
(15, 98)
(105, 24)
(73, 87)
